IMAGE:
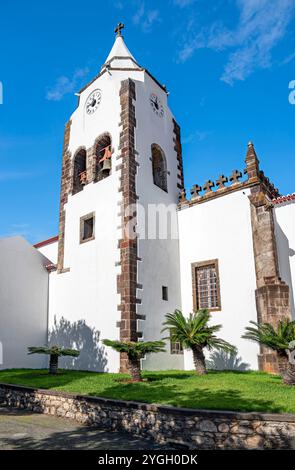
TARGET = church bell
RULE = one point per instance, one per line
(106, 167)
(106, 159)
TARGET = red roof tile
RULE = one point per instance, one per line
(46, 242)
(281, 199)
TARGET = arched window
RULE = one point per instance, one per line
(79, 176)
(159, 167)
(103, 152)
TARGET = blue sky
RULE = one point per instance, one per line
(227, 65)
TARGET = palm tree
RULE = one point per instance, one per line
(194, 333)
(136, 351)
(280, 339)
(55, 352)
(289, 374)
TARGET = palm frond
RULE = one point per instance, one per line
(221, 345)
(70, 352)
(38, 350)
(265, 334)
(194, 330)
(53, 350)
(136, 349)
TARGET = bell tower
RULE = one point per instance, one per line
(122, 168)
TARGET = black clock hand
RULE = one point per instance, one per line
(156, 104)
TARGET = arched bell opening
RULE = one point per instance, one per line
(79, 173)
(103, 153)
(159, 167)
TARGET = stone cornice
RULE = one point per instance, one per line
(127, 69)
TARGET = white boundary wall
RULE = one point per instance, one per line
(23, 306)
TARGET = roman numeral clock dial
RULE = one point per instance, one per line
(93, 101)
(156, 105)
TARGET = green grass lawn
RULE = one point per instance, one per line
(243, 391)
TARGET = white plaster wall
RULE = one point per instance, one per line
(50, 251)
(89, 291)
(285, 237)
(23, 306)
(160, 257)
(221, 229)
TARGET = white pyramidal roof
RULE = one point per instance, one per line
(120, 56)
(119, 49)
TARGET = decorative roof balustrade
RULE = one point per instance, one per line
(252, 175)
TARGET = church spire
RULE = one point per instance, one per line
(252, 162)
(120, 56)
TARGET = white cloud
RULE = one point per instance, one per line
(139, 14)
(288, 59)
(261, 25)
(151, 17)
(14, 175)
(183, 3)
(145, 17)
(118, 4)
(20, 226)
(65, 85)
(197, 135)
(18, 230)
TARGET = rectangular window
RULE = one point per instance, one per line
(87, 227)
(206, 288)
(164, 293)
(175, 347)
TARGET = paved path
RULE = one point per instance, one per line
(21, 429)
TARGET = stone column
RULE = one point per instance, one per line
(272, 294)
(127, 280)
(91, 164)
(178, 150)
(65, 188)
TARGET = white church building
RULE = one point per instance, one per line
(133, 245)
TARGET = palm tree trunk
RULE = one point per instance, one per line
(53, 364)
(282, 360)
(199, 361)
(134, 366)
(289, 374)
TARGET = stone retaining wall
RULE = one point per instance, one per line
(201, 429)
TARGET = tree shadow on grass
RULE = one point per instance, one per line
(154, 376)
(42, 379)
(159, 392)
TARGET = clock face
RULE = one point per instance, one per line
(156, 105)
(93, 101)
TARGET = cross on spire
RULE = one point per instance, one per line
(118, 29)
(220, 182)
(236, 175)
(207, 186)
